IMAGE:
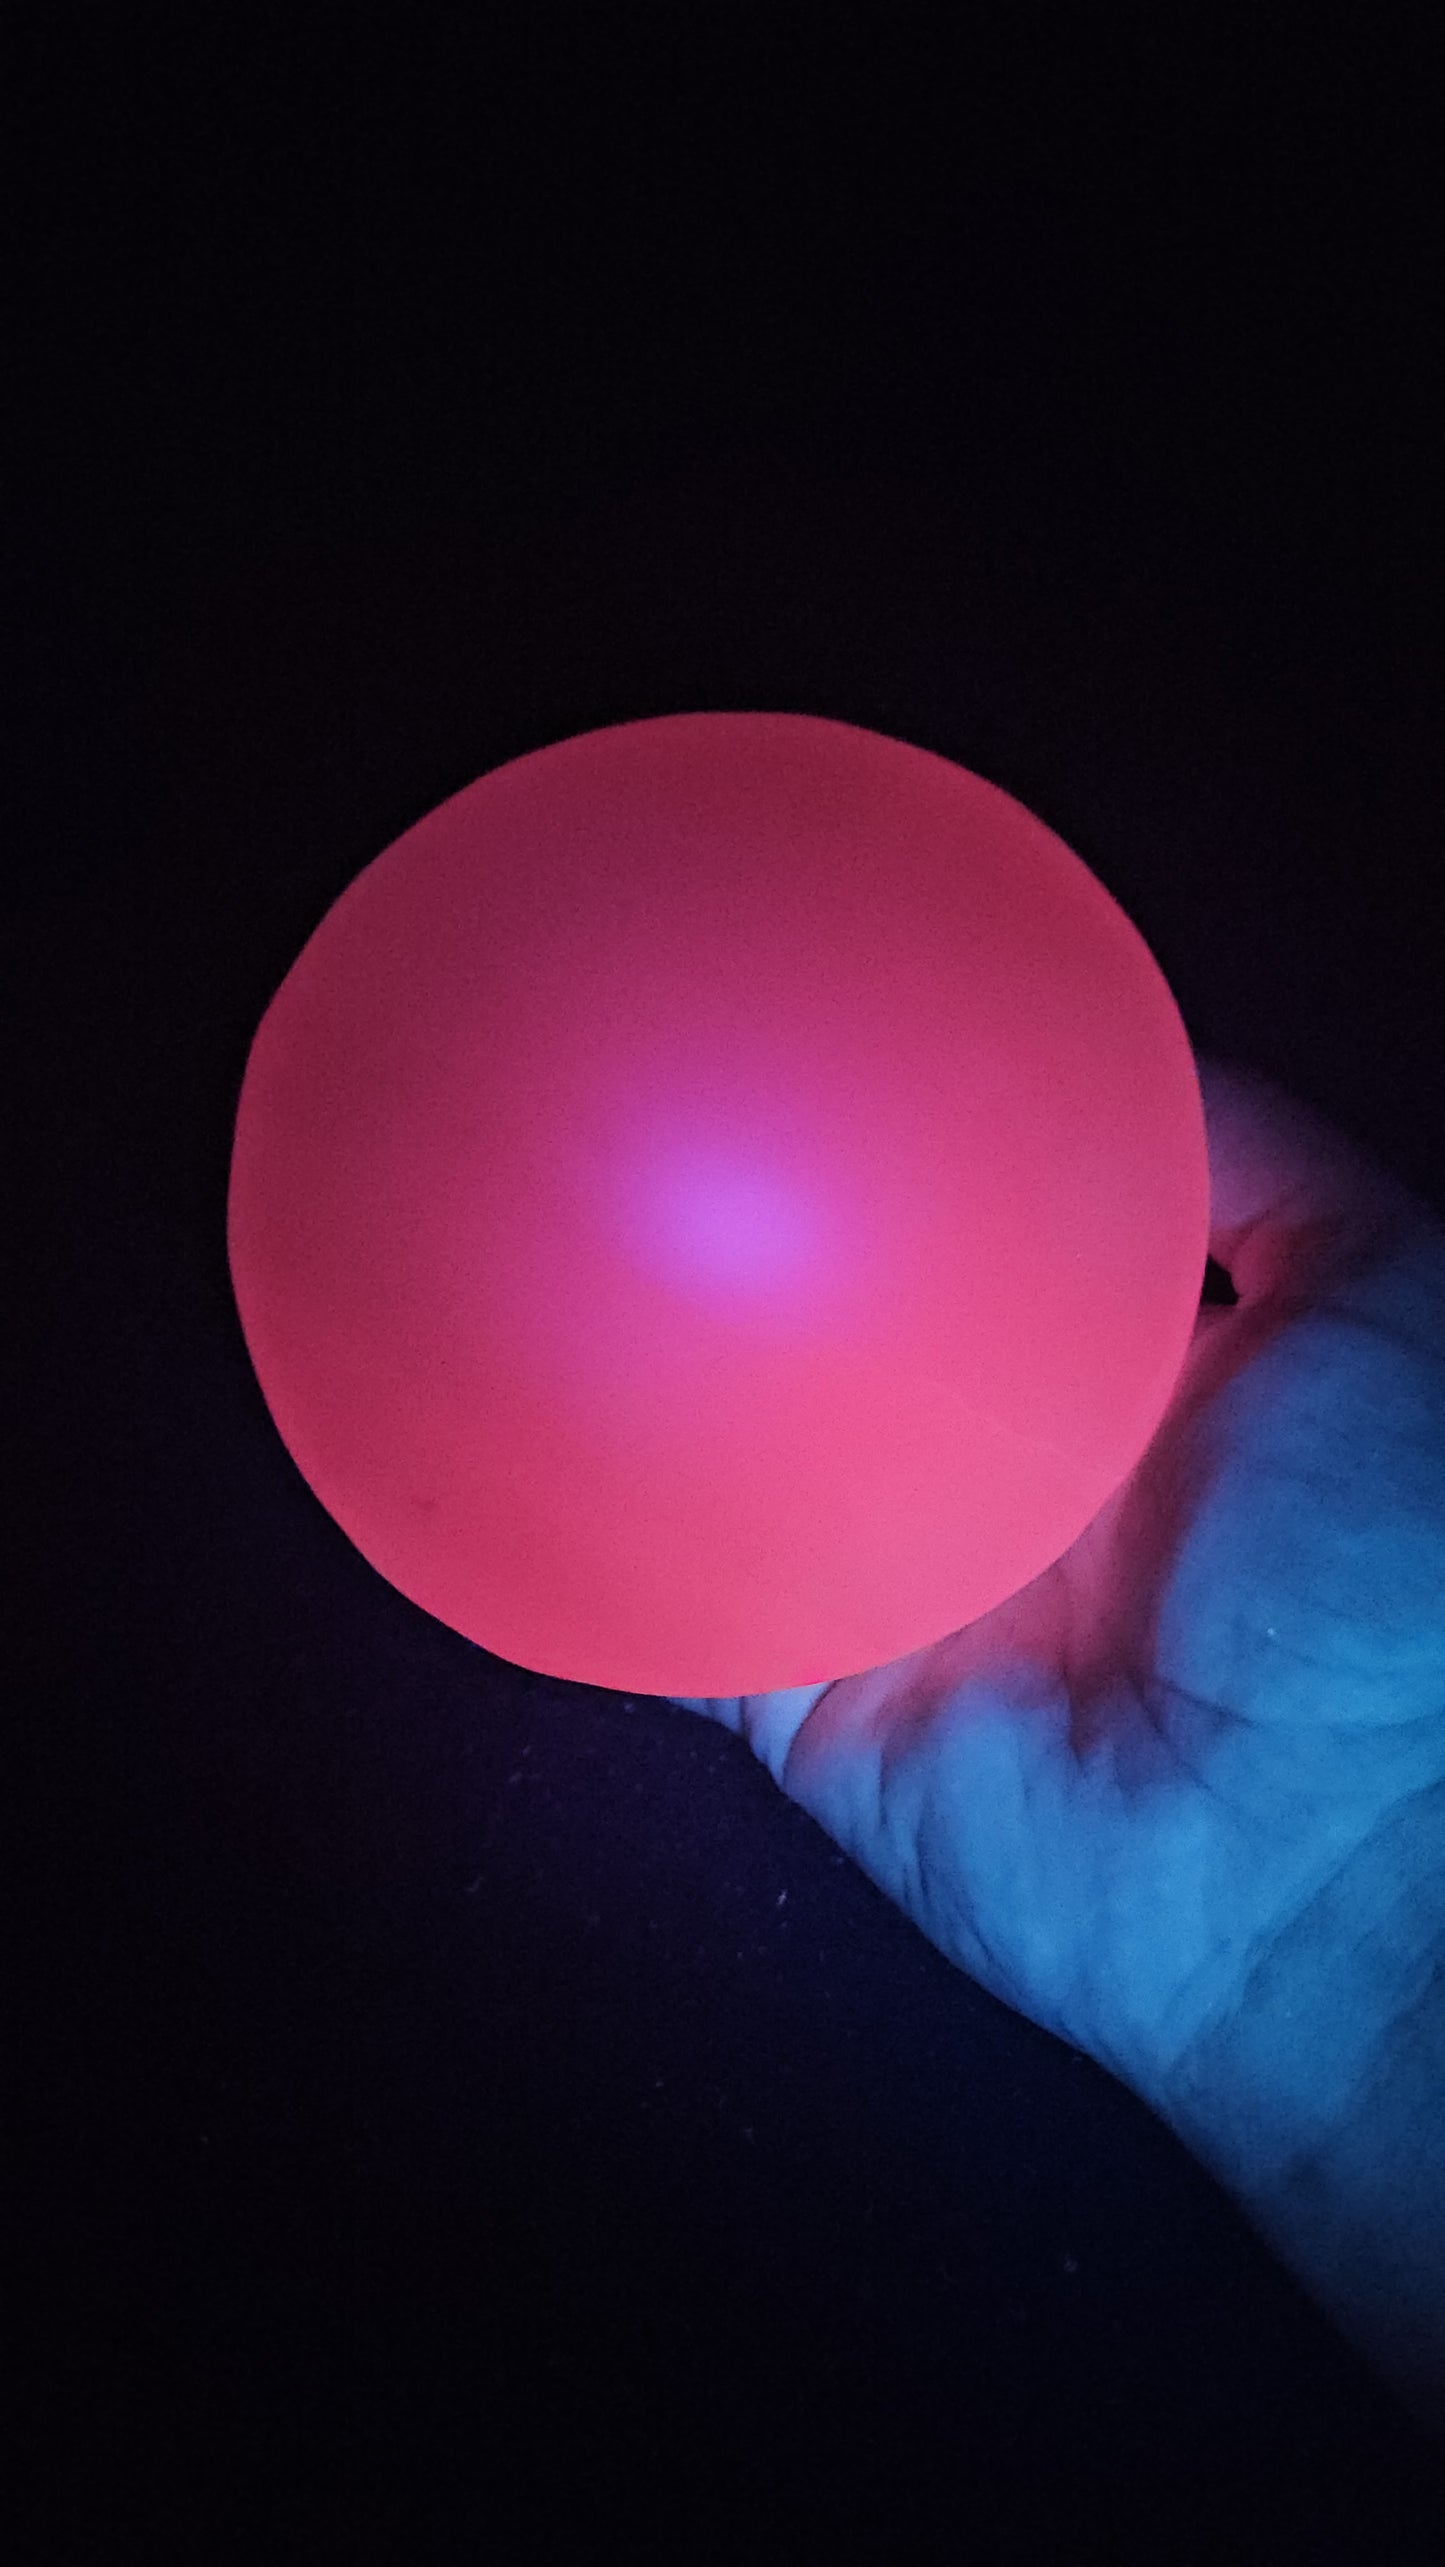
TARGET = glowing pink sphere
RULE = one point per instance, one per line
(720, 1203)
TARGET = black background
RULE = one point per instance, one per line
(465, 2116)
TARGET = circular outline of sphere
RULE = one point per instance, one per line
(719, 1204)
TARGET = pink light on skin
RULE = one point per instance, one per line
(719, 1204)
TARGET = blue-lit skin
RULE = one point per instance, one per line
(1181, 1801)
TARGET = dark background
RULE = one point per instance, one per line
(465, 2116)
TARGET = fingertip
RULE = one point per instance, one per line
(1293, 1197)
(769, 1722)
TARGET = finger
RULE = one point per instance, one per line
(769, 1722)
(1295, 1204)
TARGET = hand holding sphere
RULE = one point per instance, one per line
(718, 1209)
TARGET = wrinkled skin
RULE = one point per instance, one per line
(1109, 1798)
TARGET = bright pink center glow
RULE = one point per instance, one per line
(718, 1204)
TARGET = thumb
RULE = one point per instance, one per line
(962, 1801)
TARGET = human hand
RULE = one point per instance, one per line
(1110, 1799)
